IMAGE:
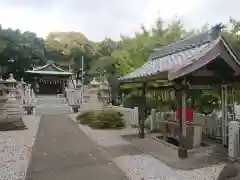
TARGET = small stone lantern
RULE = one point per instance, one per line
(3, 99)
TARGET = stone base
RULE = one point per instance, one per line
(29, 109)
(75, 108)
(12, 123)
(182, 153)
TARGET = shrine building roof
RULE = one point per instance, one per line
(49, 69)
(183, 57)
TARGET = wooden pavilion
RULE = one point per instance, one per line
(205, 61)
(48, 79)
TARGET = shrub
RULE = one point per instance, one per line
(108, 119)
(207, 103)
(168, 116)
(132, 100)
(86, 117)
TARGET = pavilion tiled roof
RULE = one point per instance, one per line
(177, 55)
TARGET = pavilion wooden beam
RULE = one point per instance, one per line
(204, 72)
(203, 87)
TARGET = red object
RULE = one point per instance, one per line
(189, 114)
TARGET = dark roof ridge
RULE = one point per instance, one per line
(188, 43)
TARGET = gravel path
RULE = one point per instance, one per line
(15, 149)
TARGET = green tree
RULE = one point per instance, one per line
(24, 50)
(68, 48)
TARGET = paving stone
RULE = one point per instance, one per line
(122, 150)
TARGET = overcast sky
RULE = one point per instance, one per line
(110, 18)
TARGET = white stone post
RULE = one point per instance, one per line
(233, 141)
(153, 120)
(3, 99)
(160, 118)
(136, 117)
(71, 98)
(32, 96)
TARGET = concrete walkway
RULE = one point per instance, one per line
(62, 151)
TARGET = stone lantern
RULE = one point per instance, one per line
(22, 83)
(94, 88)
(104, 92)
(95, 83)
(3, 99)
(13, 104)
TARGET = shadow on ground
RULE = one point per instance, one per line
(202, 157)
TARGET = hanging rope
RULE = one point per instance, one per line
(48, 81)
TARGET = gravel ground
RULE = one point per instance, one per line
(144, 166)
(139, 166)
(15, 150)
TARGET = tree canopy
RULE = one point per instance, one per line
(23, 50)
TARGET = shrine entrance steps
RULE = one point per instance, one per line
(51, 105)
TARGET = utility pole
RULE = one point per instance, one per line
(82, 72)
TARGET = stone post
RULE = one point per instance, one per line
(3, 99)
(153, 120)
(158, 119)
(136, 117)
(233, 144)
(22, 85)
(33, 96)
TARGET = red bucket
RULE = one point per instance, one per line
(189, 114)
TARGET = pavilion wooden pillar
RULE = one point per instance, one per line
(181, 96)
(142, 111)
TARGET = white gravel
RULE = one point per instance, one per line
(15, 149)
(145, 166)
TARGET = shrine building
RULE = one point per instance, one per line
(48, 79)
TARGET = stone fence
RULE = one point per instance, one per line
(28, 95)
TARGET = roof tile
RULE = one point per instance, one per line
(175, 55)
